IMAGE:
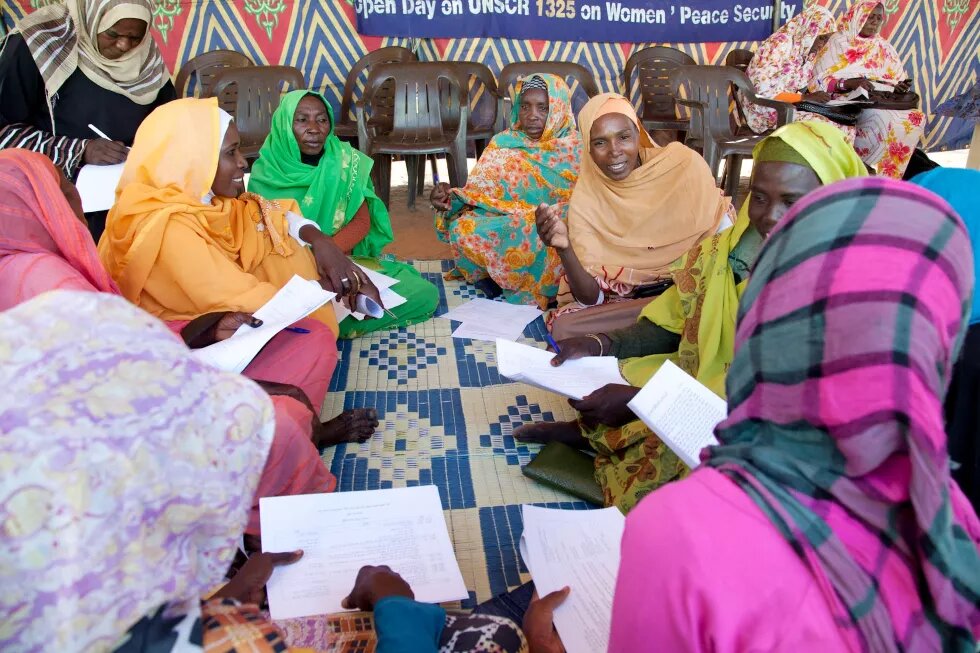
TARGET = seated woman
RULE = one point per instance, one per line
(958, 187)
(826, 520)
(78, 63)
(858, 57)
(489, 223)
(132, 467)
(44, 246)
(303, 160)
(635, 210)
(784, 64)
(693, 322)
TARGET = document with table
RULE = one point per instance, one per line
(681, 411)
(578, 549)
(294, 301)
(575, 378)
(341, 532)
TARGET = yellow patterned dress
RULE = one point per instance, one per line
(490, 223)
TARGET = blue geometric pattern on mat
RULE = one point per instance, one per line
(501, 528)
(339, 380)
(442, 464)
(501, 437)
(473, 373)
(436, 280)
(402, 354)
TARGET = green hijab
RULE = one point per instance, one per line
(329, 193)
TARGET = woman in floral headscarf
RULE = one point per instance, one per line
(784, 64)
(490, 222)
(856, 57)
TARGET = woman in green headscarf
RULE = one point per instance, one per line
(693, 322)
(302, 159)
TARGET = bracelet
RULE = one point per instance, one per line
(597, 339)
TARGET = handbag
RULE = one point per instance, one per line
(891, 100)
(565, 468)
(844, 114)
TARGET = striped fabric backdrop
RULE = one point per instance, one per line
(939, 39)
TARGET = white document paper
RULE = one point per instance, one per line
(485, 319)
(681, 411)
(294, 301)
(575, 378)
(378, 279)
(97, 186)
(339, 533)
(578, 549)
(367, 307)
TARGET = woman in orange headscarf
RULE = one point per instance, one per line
(636, 209)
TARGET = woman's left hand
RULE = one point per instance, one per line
(539, 623)
(229, 323)
(337, 272)
(607, 405)
(248, 585)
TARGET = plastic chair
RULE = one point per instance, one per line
(708, 89)
(422, 113)
(739, 58)
(658, 107)
(577, 77)
(346, 127)
(203, 69)
(260, 90)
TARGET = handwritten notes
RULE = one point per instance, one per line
(403, 528)
(681, 411)
(294, 301)
(575, 378)
(580, 549)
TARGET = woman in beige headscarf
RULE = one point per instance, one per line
(635, 210)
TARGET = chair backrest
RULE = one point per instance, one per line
(739, 58)
(426, 99)
(204, 67)
(391, 54)
(577, 77)
(260, 90)
(481, 87)
(653, 67)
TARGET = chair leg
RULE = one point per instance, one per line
(412, 163)
(384, 178)
(456, 158)
(733, 174)
(479, 146)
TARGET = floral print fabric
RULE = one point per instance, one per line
(884, 139)
(128, 470)
(490, 224)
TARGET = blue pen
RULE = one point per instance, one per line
(297, 330)
(551, 341)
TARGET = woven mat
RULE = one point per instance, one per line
(447, 419)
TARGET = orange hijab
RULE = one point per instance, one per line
(632, 230)
(198, 255)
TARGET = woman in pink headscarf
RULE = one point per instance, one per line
(45, 245)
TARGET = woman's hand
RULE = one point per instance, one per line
(539, 623)
(855, 83)
(439, 197)
(229, 323)
(103, 152)
(551, 229)
(580, 347)
(904, 86)
(819, 96)
(607, 405)
(337, 272)
(374, 584)
(248, 585)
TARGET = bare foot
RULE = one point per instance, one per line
(543, 432)
(351, 426)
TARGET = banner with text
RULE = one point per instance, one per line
(637, 21)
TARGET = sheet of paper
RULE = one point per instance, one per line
(380, 280)
(97, 186)
(294, 301)
(488, 311)
(681, 411)
(389, 298)
(575, 378)
(580, 549)
(341, 532)
(489, 332)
